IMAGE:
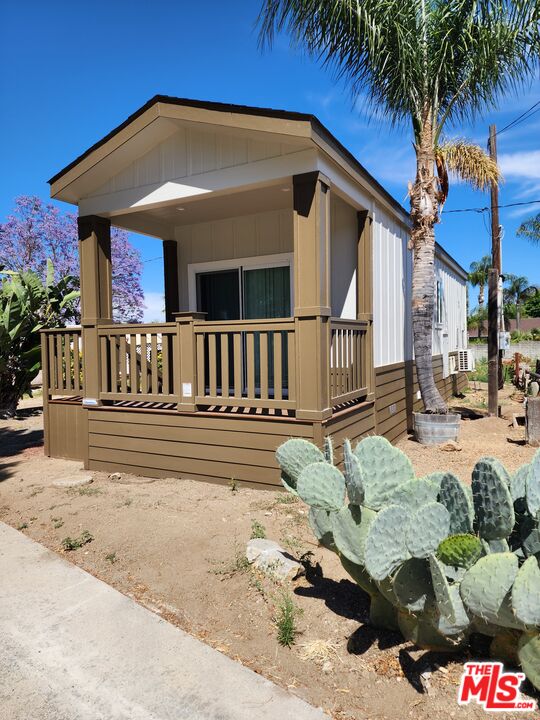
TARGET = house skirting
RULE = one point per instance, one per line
(219, 447)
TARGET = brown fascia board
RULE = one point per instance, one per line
(316, 124)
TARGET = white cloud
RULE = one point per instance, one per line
(155, 307)
(521, 164)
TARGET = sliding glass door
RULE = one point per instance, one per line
(250, 293)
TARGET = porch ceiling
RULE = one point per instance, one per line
(162, 221)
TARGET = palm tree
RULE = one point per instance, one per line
(478, 276)
(422, 64)
(530, 229)
(517, 291)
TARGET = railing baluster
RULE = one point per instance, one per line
(113, 351)
(263, 364)
(201, 382)
(165, 363)
(291, 359)
(250, 364)
(154, 363)
(59, 364)
(212, 364)
(144, 363)
(123, 363)
(133, 365)
(225, 365)
(104, 382)
(237, 354)
(76, 364)
(278, 367)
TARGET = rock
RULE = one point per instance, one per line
(450, 446)
(115, 477)
(269, 557)
(122, 479)
(256, 546)
(73, 482)
(327, 667)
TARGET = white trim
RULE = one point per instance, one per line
(252, 263)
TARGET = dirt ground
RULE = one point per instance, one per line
(177, 547)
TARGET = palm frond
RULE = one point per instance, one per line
(470, 163)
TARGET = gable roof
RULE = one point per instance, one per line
(315, 123)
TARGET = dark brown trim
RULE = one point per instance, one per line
(316, 124)
(170, 276)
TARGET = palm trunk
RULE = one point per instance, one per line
(481, 297)
(424, 215)
(518, 317)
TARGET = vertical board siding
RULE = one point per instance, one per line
(343, 258)
(454, 309)
(265, 233)
(391, 291)
(192, 151)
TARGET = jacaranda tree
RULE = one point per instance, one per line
(428, 66)
(36, 232)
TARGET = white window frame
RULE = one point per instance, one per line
(256, 262)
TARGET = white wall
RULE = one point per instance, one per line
(343, 258)
(454, 315)
(392, 273)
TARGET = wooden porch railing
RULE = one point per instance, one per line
(240, 363)
(349, 371)
(61, 356)
(137, 362)
(246, 363)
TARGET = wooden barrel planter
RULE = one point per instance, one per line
(431, 429)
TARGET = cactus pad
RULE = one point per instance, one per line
(322, 485)
(422, 631)
(384, 467)
(353, 475)
(360, 576)
(492, 500)
(533, 485)
(486, 589)
(530, 535)
(529, 657)
(385, 545)
(526, 593)
(518, 483)
(321, 524)
(328, 449)
(455, 498)
(350, 527)
(428, 525)
(497, 546)
(460, 550)
(412, 585)
(293, 456)
(382, 614)
(414, 493)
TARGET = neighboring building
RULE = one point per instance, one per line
(287, 289)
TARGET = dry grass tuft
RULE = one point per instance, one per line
(319, 651)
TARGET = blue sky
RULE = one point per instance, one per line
(73, 71)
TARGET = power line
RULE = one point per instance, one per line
(486, 208)
(521, 118)
(152, 259)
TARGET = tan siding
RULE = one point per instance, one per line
(67, 430)
(343, 258)
(201, 447)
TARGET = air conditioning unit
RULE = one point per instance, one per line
(465, 361)
(452, 365)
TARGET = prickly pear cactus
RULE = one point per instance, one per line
(526, 593)
(322, 486)
(455, 498)
(350, 527)
(493, 503)
(415, 493)
(412, 585)
(529, 656)
(386, 547)
(486, 589)
(532, 485)
(384, 469)
(460, 550)
(321, 524)
(293, 456)
(428, 526)
(329, 449)
(354, 478)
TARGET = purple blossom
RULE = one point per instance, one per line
(36, 231)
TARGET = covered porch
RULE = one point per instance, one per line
(268, 301)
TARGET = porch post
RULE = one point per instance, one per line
(170, 276)
(186, 367)
(364, 293)
(311, 205)
(96, 296)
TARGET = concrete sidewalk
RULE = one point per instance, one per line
(72, 648)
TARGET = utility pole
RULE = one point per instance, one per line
(493, 288)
